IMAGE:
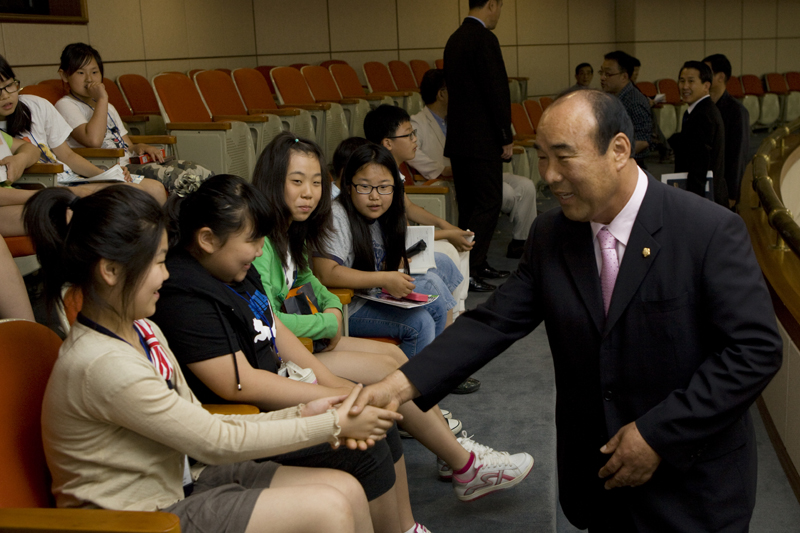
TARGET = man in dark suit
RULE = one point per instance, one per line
(700, 145)
(479, 128)
(661, 329)
(736, 119)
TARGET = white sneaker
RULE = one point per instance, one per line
(445, 413)
(455, 427)
(419, 528)
(445, 472)
(492, 472)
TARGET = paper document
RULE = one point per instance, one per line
(112, 174)
(679, 180)
(421, 262)
(391, 300)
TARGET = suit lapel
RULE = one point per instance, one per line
(578, 252)
(637, 261)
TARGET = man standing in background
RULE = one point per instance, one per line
(479, 127)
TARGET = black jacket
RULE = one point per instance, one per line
(736, 119)
(479, 107)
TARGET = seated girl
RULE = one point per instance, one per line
(289, 173)
(230, 344)
(118, 418)
(14, 302)
(15, 156)
(368, 246)
(95, 122)
(35, 120)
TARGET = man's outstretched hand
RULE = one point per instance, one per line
(389, 393)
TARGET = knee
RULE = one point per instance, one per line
(397, 354)
(349, 488)
(334, 506)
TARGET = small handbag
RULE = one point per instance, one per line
(302, 301)
(295, 372)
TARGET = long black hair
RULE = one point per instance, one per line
(20, 120)
(392, 222)
(119, 223)
(224, 203)
(269, 177)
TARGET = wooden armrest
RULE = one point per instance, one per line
(231, 409)
(425, 189)
(241, 118)
(372, 97)
(394, 93)
(99, 152)
(136, 118)
(348, 101)
(309, 107)
(434, 181)
(344, 295)
(277, 112)
(20, 246)
(153, 139)
(519, 78)
(518, 149)
(44, 168)
(308, 343)
(527, 143)
(198, 126)
(87, 520)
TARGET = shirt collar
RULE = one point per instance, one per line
(622, 225)
(692, 106)
(476, 18)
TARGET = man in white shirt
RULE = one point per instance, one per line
(519, 193)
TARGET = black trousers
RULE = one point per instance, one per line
(479, 192)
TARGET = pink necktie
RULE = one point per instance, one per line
(610, 268)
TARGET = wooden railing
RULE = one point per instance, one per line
(776, 241)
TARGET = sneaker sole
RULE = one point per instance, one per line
(494, 488)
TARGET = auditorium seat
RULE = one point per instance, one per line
(193, 72)
(403, 77)
(139, 94)
(793, 80)
(524, 134)
(225, 146)
(439, 63)
(545, 101)
(790, 101)
(48, 92)
(379, 80)
(419, 68)
(60, 87)
(514, 91)
(734, 88)
(522, 123)
(225, 71)
(328, 63)
(323, 88)
(258, 99)
(223, 101)
(349, 85)
(770, 109)
(672, 96)
(298, 66)
(330, 122)
(534, 110)
(264, 70)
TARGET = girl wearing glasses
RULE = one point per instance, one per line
(95, 122)
(367, 250)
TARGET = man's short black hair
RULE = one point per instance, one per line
(635, 62)
(702, 68)
(610, 115)
(432, 83)
(475, 4)
(579, 67)
(383, 121)
(624, 61)
(719, 63)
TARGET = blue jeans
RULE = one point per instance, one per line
(441, 280)
(414, 327)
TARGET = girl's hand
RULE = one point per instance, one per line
(14, 167)
(398, 284)
(368, 426)
(152, 151)
(127, 175)
(97, 91)
(458, 238)
(339, 330)
(321, 405)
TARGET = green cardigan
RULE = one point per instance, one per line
(318, 326)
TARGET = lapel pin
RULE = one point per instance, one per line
(646, 252)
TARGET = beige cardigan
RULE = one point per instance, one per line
(115, 436)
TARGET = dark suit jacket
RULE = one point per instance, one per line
(479, 106)
(736, 119)
(689, 343)
(700, 147)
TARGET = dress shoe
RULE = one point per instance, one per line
(488, 272)
(515, 249)
(469, 386)
(478, 285)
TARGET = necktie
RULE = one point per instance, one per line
(684, 119)
(610, 268)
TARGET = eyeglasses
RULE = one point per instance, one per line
(412, 134)
(604, 74)
(11, 88)
(363, 188)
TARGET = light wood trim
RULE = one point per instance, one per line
(393, 93)
(231, 409)
(136, 118)
(288, 112)
(345, 295)
(423, 189)
(310, 107)
(308, 343)
(241, 118)
(198, 126)
(153, 139)
(99, 152)
(44, 168)
(88, 520)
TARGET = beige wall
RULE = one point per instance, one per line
(541, 39)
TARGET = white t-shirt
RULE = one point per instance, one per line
(77, 112)
(48, 128)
